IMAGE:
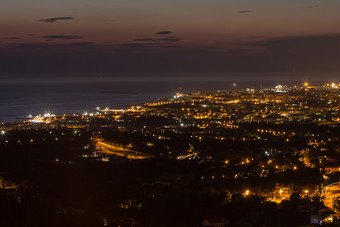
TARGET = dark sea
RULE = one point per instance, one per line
(18, 100)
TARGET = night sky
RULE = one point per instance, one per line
(225, 37)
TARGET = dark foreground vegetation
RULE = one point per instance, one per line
(51, 178)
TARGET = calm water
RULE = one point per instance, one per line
(23, 99)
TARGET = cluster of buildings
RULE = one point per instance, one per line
(278, 105)
(266, 134)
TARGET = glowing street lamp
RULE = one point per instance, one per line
(247, 192)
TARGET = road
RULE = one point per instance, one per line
(332, 197)
(110, 149)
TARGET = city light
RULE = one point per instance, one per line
(169, 113)
(207, 119)
(247, 192)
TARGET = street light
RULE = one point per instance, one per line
(247, 192)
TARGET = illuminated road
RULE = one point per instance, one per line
(332, 197)
(106, 148)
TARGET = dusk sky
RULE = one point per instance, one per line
(178, 36)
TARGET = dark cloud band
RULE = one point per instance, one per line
(62, 37)
(54, 19)
(13, 38)
(47, 45)
(167, 39)
(164, 33)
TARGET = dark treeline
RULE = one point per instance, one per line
(57, 186)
